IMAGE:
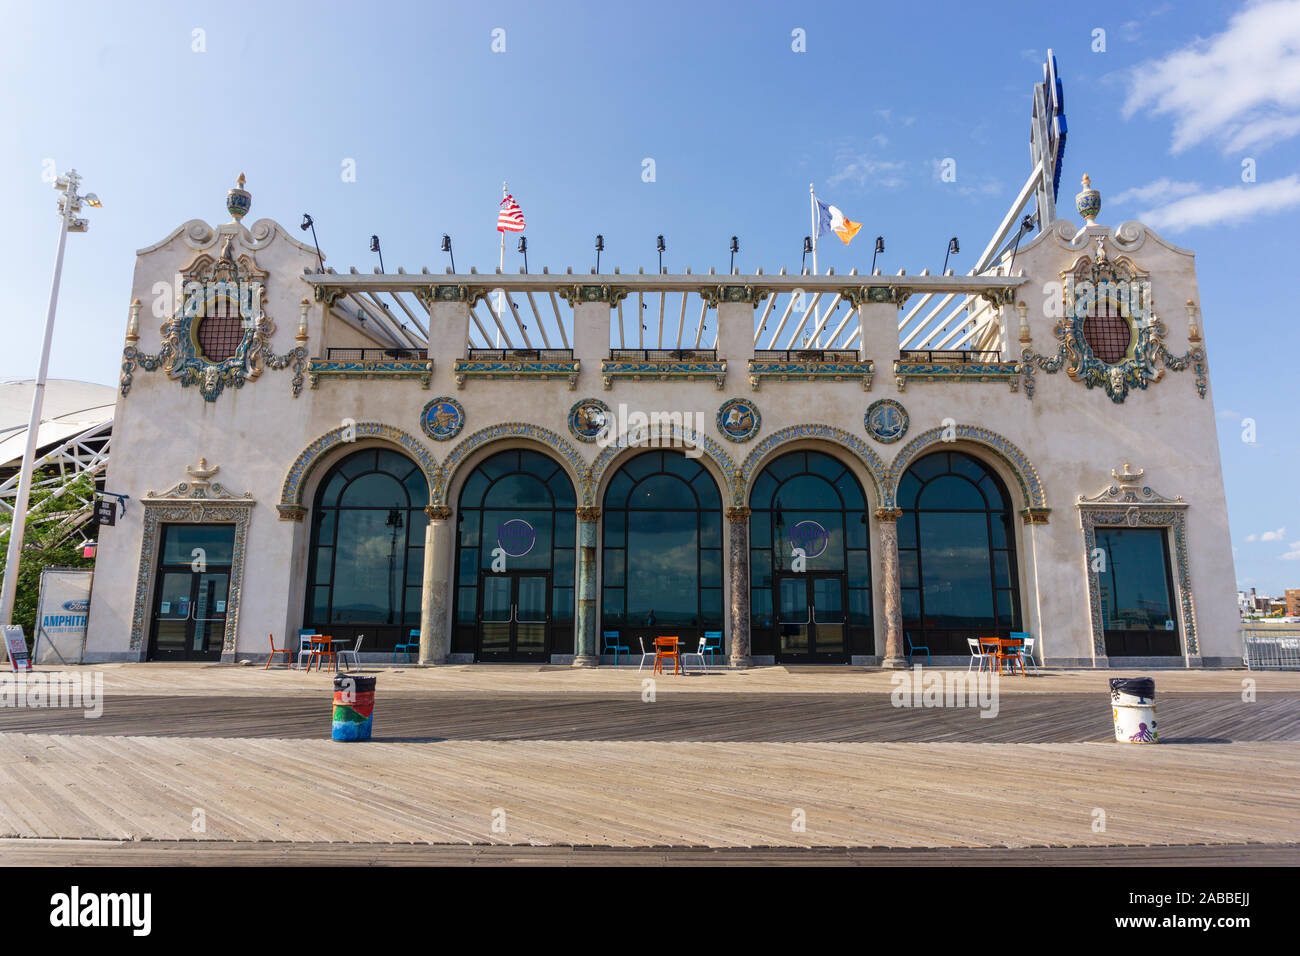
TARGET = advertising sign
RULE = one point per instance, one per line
(61, 615)
(16, 645)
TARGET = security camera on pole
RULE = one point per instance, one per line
(69, 206)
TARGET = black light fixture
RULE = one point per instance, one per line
(953, 248)
(523, 247)
(600, 247)
(807, 248)
(309, 223)
(374, 247)
(880, 247)
(660, 246)
(446, 247)
(735, 247)
(1026, 226)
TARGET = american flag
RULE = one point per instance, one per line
(511, 217)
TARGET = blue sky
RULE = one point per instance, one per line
(737, 123)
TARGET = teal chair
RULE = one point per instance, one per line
(915, 649)
(1026, 650)
(712, 644)
(610, 644)
(412, 644)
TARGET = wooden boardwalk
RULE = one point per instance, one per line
(212, 853)
(626, 794)
(1023, 718)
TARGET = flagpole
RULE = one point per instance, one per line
(501, 265)
(812, 209)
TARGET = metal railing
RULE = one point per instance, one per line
(1272, 648)
(520, 355)
(375, 355)
(663, 355)
(806, 355)
(948, 356)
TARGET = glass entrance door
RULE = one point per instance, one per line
(810, 618)
(191, 589)
(515, 616)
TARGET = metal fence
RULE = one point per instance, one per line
(949, 356)
(374, 355)
(806, 355)
(521, 355)
(1272, 648)
(663, 355)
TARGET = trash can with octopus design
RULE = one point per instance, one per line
(354, 706)
(1133, 706)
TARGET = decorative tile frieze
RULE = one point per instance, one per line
(774, 444)
(348, 433)
(811, 371)
(1006, 372)
(507, 430)
(577, 294)
(387, 369)
(1031, 486)
(666, 371)
(517, 370)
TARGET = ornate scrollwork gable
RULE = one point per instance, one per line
(1110, 336)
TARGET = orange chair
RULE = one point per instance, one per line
(321, 648)
(287, 651)
(666, 647)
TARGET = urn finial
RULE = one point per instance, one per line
(238, 200)
(1088, 201)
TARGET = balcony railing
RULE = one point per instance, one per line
(949, 356)
(520, 355)
(663, 355)
(374, 355)
(806, 355)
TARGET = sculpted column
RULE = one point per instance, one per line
(585, 652)
(892, 598)
(738, 584)
(434, 604)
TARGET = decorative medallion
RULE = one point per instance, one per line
(809, 536)
(739, 420)
(516, 537)
(886, 421)
(587, 419)
(442, 419)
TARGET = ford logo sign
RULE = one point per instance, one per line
(78, 606)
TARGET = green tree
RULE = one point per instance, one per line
(56, 523)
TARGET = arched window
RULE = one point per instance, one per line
(516, 522)
(813, 603)
(956, 549)
(366, 564)
(662, 569)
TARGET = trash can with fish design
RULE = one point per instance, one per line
(1133, 707)
(354, 706)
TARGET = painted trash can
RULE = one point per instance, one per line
(354, 706)
(1133, 706)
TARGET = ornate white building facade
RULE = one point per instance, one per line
(824, 469)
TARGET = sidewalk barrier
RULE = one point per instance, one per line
(1133, 707)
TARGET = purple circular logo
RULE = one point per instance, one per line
(516, 537)
(811, 537)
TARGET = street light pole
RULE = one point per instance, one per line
(69, 206)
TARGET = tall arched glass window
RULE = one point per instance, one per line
(662, 570)
(957, 553)
(809, 561)
(516, 522)
(366, 564)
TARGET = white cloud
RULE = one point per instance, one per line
(1240, 87)
(864, 170)
(1157, 191)
(1291, 555)
(1277, 535)
(1231, 206)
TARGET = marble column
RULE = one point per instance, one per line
(435, 597)
(585, 650)
(738, 584)
(891, 597)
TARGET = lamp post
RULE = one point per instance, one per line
(69, 205)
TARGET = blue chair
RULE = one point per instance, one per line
(412, 644)
(611, 644)
(1026, 650)
(914, 649)
(713, 644)
(304, 644)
